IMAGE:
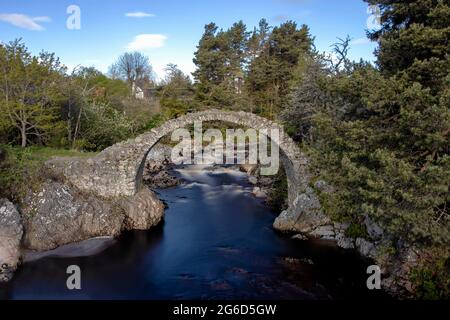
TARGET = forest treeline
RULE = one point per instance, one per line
(377, 132)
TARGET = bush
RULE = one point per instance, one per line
(277, 197)
(104, 126)
(432, 276)
(21, 169)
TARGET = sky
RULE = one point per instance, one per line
(168, 31)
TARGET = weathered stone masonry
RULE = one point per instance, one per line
(117, 171)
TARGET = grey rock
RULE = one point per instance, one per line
(365, 247)
(299, 237)
(265, 181)
(323, 232)
(160, 180)
(303, 216)
(250, 169)
(11, 232)
(160, 153)
(253, 180)
(259, 193)
(341, 227)
(84, 248)
(344, 242)
(142, 211)
(374, 230)
(59, 215)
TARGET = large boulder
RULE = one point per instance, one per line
(155, 174)
(11, 232)
(59, 215)
(304, 216)
(142, 211)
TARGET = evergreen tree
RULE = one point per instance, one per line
(414, 40)
(271, 71)
(382, 138)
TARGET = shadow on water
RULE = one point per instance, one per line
(216, 242)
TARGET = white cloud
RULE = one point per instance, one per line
(144, 42)
(139, 14)
(360, 41)
(24, 21)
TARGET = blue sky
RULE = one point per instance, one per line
(168, 30)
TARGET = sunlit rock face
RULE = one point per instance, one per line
(303, 216)
(59, 214)
(142, 211)
(11, 232)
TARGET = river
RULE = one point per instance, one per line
(216, 242)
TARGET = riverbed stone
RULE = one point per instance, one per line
(11, 232)
(344, 242)
(323, 232)
(366, 248)
(304, 216)
(253, 180)
(250, 169)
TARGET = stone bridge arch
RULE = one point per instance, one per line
(117, 170)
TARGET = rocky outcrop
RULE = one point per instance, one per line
(142, 211)
(304, 216)
(11, 232)
(156, 174)
(59, 215)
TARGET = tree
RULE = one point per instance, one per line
(210, 60)
(221, 59)
(134, 68)
(103, 126)
(258, 41)
(29, 91)
(414, 38)
(176, 84)
(381, 136)
(271, 71)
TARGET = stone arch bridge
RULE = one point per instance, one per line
(117, 171)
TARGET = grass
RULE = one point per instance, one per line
(21, 168)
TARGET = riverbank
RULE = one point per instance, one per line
(216, 242)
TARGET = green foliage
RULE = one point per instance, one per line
(21, 168)
(432, 278)
(237, 69)
(271, 72)
(154, 122)
(104, 126)
(382, 138)
(356, 230)
(29, 95)
(277, 196)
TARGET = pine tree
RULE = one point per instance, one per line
(271, 71)
(385, 143)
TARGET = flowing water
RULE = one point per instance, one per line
(216, 242)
